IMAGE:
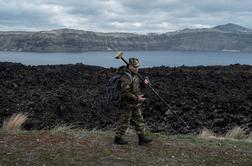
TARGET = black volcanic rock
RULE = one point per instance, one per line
(216, 97)
(224, 37)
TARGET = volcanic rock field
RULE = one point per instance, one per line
(214, 97)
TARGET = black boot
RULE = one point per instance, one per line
(120, 141)
(143, 140)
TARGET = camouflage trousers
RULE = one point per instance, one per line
(133, 115)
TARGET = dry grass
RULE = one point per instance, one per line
(250, 135)
(62, 129)
(236, 133)
(15, 122)
(206, 133)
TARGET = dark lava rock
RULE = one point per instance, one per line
(216, 97)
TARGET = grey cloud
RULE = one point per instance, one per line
(123, 15)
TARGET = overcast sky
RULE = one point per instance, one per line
(140, 16)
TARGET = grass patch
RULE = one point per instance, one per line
(62, 129)
(206, 133)
(250, 136)
(96, 148)
(15, 122)
(236, 133)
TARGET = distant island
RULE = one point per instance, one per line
(228, 37)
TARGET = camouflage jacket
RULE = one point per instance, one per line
(130, 87)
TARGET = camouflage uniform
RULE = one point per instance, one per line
(129, 106)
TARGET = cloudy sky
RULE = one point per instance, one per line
(140, 16)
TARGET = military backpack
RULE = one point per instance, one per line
(114, 89)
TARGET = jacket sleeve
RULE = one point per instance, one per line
(125, 89)
(142, 84)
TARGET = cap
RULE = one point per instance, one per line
(134, 62)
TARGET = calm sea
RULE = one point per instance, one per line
(147, 58)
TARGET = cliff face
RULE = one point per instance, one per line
(225, 37)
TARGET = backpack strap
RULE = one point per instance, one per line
(129, 75)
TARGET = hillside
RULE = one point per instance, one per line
(214, 97)
(219, 38)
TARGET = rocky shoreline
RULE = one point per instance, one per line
(227, 37)
(215, 97)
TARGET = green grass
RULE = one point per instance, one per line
(82, 147)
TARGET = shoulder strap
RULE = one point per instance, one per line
(129, 75)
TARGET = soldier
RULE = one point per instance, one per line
(130, 103)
